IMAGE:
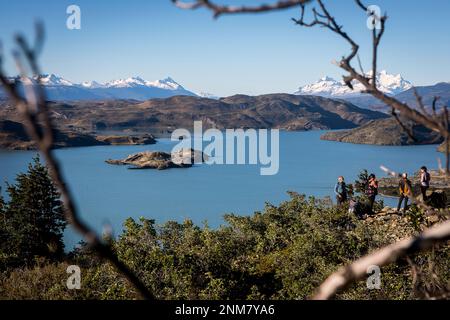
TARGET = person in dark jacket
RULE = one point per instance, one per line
(424, 182)
(341, 191)
(372, 190)
(405, 191)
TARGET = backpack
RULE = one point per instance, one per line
(427, 178)
(371, 190)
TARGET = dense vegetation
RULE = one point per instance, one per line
(283, 252)
(32, 222)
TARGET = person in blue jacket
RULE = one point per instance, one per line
(341, 191)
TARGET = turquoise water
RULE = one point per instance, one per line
(107, 194)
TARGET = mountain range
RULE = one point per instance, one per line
(329, 87)
(136, 88)
(60, 89)
(392, 85)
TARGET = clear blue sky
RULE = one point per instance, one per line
(250, 54)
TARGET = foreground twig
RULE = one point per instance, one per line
(223, 9)
(36, 116)
(358, 269)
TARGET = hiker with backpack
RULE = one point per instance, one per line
(424, 182)
(372, 190)
(341, 191)
(405, 190)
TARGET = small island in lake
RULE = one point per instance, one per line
(160, 160)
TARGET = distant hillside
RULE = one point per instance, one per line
(13, 136)
(283, 111)
(384, 132)
(428, 93)
(162, 116)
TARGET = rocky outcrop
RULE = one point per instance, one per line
(182, 158)
(399, 225)
(13, 136)
(127, 140)
(438, 199)
(384, 132)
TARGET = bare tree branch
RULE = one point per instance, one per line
(223, 9)
(420, 101)
(409, 131)
(358, 269)
(447, 140)
(34, 110)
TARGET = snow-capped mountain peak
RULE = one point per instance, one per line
(392, 84)
(126, 83)
(54, 80)
(135, 88)
(167, 83)
(329, 87)
(92, 84)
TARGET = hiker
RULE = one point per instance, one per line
(340, 190)
(372, 190)
(424, 182)
(405, 191)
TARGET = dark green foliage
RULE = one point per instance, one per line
(416, 217)
(359, 193)
(32, 220)
(282, 252)
(3, 230)
(362, 182)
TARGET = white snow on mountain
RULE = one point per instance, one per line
(167, 83)
(125, 83)
(329, 87)
(135, 88)
(92, 84)
(54, 80)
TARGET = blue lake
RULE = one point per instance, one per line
(107, 194)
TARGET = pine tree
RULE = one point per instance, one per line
(3, 231)
(34, 217)
(362, 183)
